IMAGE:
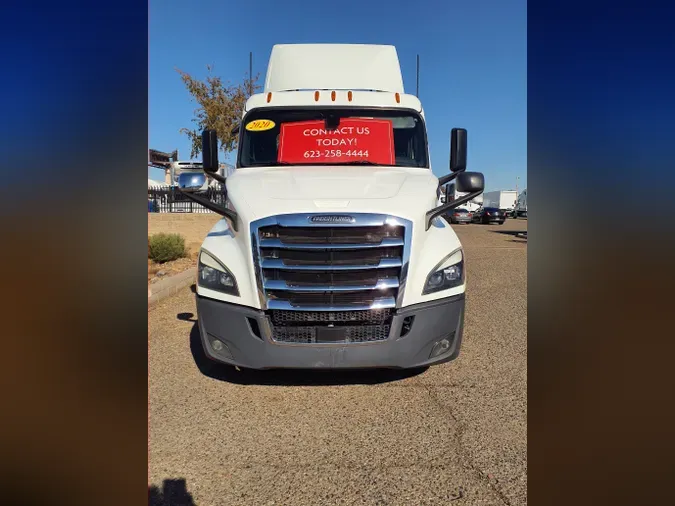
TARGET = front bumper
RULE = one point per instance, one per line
(246, 333)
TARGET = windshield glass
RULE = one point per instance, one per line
(333, 137)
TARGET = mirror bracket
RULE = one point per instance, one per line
(216, 208)
(216, 176)
(449, 177)
(447, 207)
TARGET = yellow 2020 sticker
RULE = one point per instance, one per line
(260, 125)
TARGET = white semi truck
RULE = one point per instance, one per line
(332, 252)
(189, 173)
(503, 199)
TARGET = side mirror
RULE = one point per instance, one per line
(210, 151)
(470, 182)
(457, 149)
(192, 181)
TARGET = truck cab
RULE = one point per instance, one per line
(332, 252)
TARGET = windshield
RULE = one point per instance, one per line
(333, 136)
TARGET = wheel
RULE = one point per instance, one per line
(501, 222)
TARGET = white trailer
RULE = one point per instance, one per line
(452, 194)
(521, 205)
(504, 200)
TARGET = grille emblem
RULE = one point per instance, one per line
(332, 218)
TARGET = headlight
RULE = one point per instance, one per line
(215, 276)
(448, 274)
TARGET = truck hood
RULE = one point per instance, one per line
(261, 192)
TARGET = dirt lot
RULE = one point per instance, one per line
(454, 434)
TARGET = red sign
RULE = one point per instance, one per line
(353, 140)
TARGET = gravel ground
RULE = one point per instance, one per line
(454, 434)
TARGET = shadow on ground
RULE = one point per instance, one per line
(520, 235)
(288, 377)
(172, 493)
(508, 232)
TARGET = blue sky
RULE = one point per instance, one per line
(473, 64)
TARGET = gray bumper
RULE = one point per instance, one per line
(246, 333)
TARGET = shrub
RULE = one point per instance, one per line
(164, 247)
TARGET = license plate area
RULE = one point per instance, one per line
(331, 334)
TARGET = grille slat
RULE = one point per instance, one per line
(378, 284)
(367, 257)
(331, 298)
(324, 305)
(330, 235)
(275, 263)
(386, 242)
(333, 278)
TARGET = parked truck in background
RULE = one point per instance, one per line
(332, 252)
(504, 200)
(521, 205)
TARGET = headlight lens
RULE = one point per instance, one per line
(448, 274)
(215, 276)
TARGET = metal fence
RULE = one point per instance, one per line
(170, 200)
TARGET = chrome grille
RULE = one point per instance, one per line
(323, 282)
(304, 265)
